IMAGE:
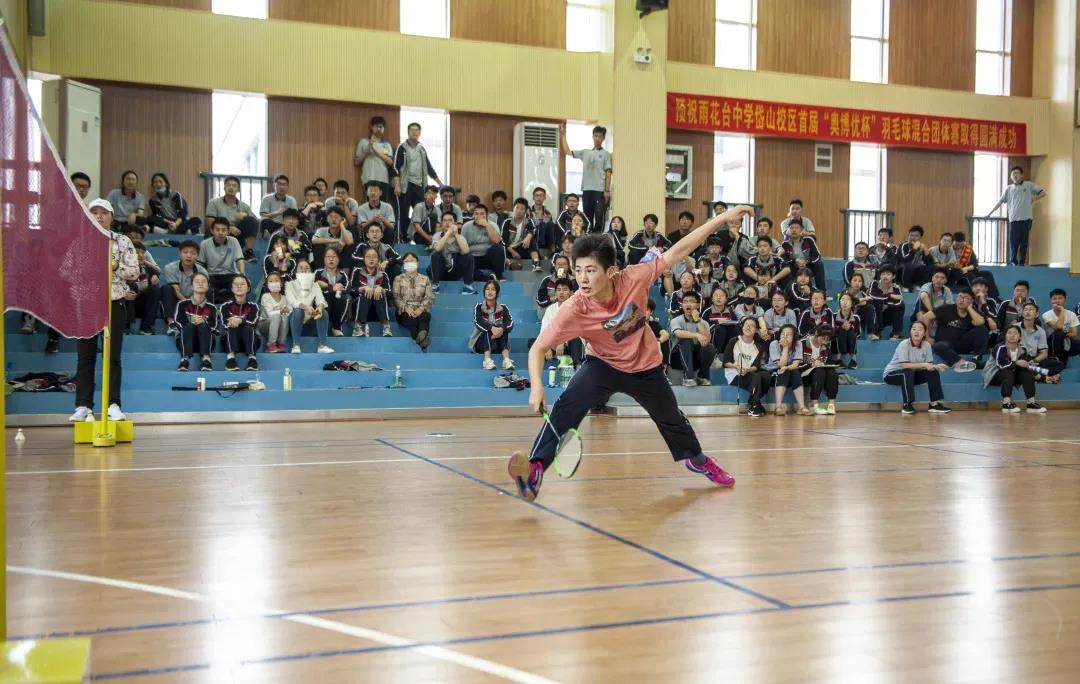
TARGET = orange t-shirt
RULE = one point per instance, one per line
(617, 332)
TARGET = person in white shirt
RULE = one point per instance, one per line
(575, 348)
(1061, 326)
(306, 302)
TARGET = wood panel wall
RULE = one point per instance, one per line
(382, 15)
(692, 32)
(203, 5)
(784, 170)
(932, 43)
(313, 138)
(540, 23)
(482, 153)
(702, 181)
(929, 188)
(1023, 38)
(156, 129)
(809, 37)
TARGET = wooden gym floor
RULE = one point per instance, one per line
(862, 548)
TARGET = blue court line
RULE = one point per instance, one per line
(397, 605)
(592, 528)
(594, 627)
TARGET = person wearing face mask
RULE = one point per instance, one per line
(545, 294)
(307, 303)
(275, 310)
(371, 291)
(169, 209)
(413, 300)
(334, 282)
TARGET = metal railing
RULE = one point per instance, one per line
(748, 221)
(862, 225)
(252, 188)
(989, 237)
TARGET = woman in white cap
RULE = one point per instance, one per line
(125, 267)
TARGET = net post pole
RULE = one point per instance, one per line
(3, 462)
(106, 345)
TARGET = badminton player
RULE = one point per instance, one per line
(609, 312)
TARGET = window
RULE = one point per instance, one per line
(993, 47)
(579, 137)
(434, 134)
(426, 18)
(253, 9)
(736, 34)
(991, 175)
(590, 26)
(870, 41)
(866, 192)
(733, 168)
(239, 132)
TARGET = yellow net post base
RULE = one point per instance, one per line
(58, 661)
(105, 434)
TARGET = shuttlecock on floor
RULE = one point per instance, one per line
(20, 437)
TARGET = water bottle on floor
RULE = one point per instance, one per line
(399, 383)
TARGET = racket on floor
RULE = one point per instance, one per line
(568, 452)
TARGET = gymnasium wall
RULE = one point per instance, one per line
(516, 48)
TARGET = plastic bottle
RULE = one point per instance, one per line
(565, 373)
(20, 437)
(399, 383)
(286, 381)
(551, 376)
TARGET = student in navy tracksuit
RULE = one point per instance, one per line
(493, 325)
(817, 351)
(545, 293)
(1010, 365)
(721, 320)
(799, 290)
(237, 319)
(848, 326)
(818, 314)
(645, 239)
(334, 282)
(801, 251)
(371, 290)
(687, 284)
(196, 319)
(888, 304)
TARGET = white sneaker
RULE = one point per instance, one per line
(323, 349)
(115, 413)
(337, 333)
(82, 414)
(508, 364)
(964, 367)
(489, 364)
(367, 330)
(296, 349)
(358, 330)
(820, 410)
(386, 331)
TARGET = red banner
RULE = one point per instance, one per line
(775, 119)
(55, 255)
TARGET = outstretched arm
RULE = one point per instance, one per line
(686, 246)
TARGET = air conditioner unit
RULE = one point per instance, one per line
(536, 162)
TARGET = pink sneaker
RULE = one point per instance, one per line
(712, 471)
(527, 475)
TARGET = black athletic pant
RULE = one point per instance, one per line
(462, 268)
(336, 308)
(240, 340)
(495, 345)
(846, 341)
(414, 325)
(692, 358)
(364, 306)
(1012, 376)
(974, 341)
(868, 313)
(722, 333)
(826, 379)
(494, 260)
(1056, 342)
(411, 195)
(593, 384)
(791, 379)
(757, 383)
(87, 359)
(195, 339)
(889, 317)
(594, 208)
(1019, 233)
(907, 378)
(145, 307)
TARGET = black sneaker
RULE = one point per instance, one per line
(1035, 407)
(183, 366)
(853, 364)
(249, 254)
(52, 347)
(231, 365)
(146, 330)
(980, 362)
(206, 365)
(939, 408)
(755, 411)
(908, 410)
(1009, 407)
(252, 364)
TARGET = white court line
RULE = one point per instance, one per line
(434, 652)
(299, 464)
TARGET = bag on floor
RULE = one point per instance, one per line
(507, 380)
(351, 366)
(43, 382)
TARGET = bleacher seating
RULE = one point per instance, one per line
(448, 376)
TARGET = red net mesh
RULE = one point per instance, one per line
(54, 253)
